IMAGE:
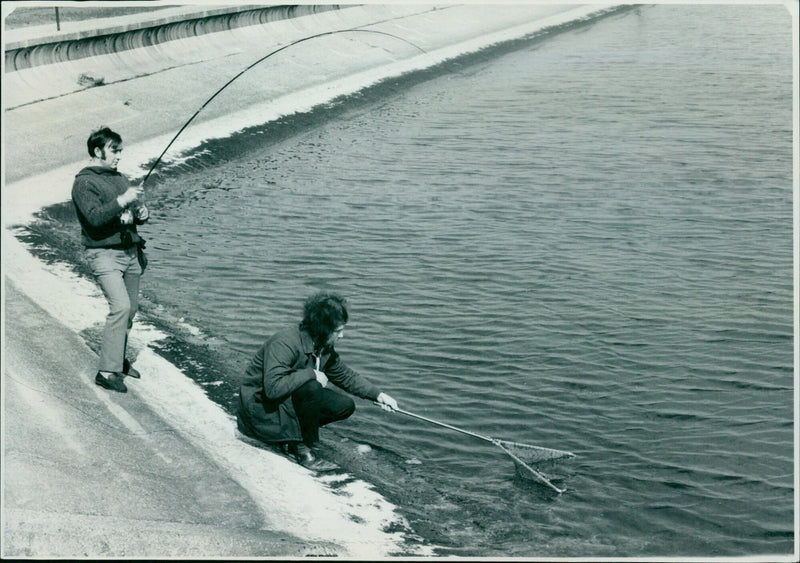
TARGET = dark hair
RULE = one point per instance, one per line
(323, 313)
(100, 138)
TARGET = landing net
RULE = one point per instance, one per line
(532, 454)
(524, 455)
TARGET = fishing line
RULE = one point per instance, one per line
(265, 57)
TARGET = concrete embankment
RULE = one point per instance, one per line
(88, 474)
(158, 472)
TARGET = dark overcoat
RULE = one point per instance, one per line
(284, 363)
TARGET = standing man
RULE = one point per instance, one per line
(109, 209)
(286, 396)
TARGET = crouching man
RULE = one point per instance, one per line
(286, 394)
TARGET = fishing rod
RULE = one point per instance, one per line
(265, 57)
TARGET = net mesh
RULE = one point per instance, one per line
(525, 455)
(532, 454)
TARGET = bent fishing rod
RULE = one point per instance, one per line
(265, 57)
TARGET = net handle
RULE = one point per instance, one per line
(445, 425)
(499, 443)
(495, 441)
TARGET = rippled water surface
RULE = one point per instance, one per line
(581, 241)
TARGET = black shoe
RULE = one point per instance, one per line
(113, 382)
(305, 457)
(129, 370)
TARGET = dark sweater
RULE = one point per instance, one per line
(94, 194)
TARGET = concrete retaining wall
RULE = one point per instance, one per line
(41, 45)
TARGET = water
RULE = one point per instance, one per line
(581, 241)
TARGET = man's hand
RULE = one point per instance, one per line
(126, 218)
(142, 213)
(321, 377)
(386, 402)
(130, 195)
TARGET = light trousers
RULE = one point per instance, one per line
(118, 273)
